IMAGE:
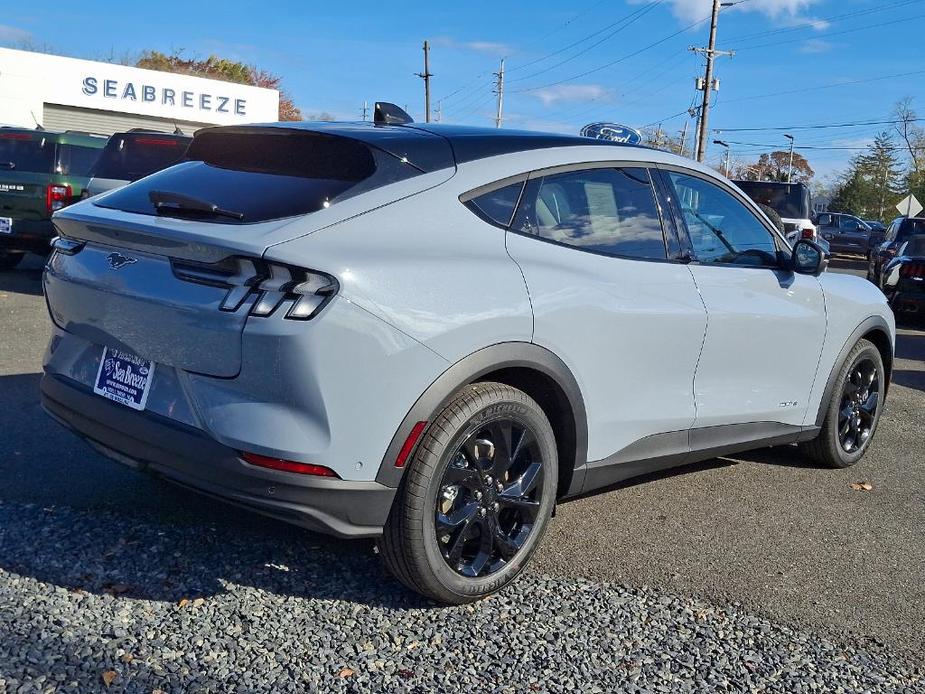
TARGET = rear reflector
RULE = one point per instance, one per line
(409, 444)
(287, 465)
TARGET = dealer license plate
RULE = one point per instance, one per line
(124, 378)
(6, 225)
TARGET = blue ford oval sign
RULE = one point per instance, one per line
(613, 132)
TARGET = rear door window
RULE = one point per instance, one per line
(603, 210)
(264, 173)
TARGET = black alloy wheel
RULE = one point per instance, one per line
(859, 402)
(476, 498)
(487, 502)
(851, 414)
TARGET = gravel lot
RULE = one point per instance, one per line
(753, 574)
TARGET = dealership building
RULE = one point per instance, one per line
(60, 93)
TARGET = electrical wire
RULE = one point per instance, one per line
(615, 62)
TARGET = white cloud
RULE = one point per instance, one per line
(815, 46)
(692, 10)
(495, 48)
(570, 92)
(10, 34)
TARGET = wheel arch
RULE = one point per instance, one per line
(874, 329)
(523, 365)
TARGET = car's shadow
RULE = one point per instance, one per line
(27, 280)
(75, 520)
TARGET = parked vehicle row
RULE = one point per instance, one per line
(430, 334)
(43, 171)
(897, 266)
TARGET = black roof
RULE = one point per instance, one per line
(432, 146)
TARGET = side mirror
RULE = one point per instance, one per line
(809, 258)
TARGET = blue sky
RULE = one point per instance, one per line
(798, 62)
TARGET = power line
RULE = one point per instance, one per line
(576, 43)
(618, 60)
(834, 33)
(824, 86)
(626, 21)
(829, 20)
(822, 126)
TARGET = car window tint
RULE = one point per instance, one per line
(497, 206)
(721, 228)
(610, 211)
(850, 224)
(75, 160)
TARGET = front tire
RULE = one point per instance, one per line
(854, 410)
(476, 497)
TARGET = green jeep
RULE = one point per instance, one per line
(40, 172)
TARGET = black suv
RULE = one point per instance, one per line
(899, 231)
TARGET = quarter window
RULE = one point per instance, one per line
(497, 206)
(604, 210)
(721, 228)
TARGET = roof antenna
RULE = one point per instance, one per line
(176, 129)
(38, 126)
(385, 113)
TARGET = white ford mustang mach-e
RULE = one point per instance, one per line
(430, 334)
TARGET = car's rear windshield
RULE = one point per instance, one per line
(790, 201)
(913, 226)
(259, 174)
(915, 246)
(37, 153)
(130, 156)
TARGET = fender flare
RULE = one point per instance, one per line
(503, 355)
(871, 323)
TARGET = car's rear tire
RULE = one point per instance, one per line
(476, 497)
(10, 260)
(853, 411)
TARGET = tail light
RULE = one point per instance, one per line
(912, 270)
(806, 234)
(56, 197)
(287, 465)
(271, 285)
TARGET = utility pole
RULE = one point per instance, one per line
(426, 75)
(499, 90)
(365, 109)
(684, 137)
(790, 169)
(708, 81)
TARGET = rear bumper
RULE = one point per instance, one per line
(185, 455)
(33, 235)
(908, 301)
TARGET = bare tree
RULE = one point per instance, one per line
(912, 134)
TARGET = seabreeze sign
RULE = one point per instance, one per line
(613, 132)
(165, 96)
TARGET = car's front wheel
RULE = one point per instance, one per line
(476, 497)
(853, 411)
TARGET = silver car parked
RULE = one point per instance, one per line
(432, 334)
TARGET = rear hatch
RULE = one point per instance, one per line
(168, 267)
